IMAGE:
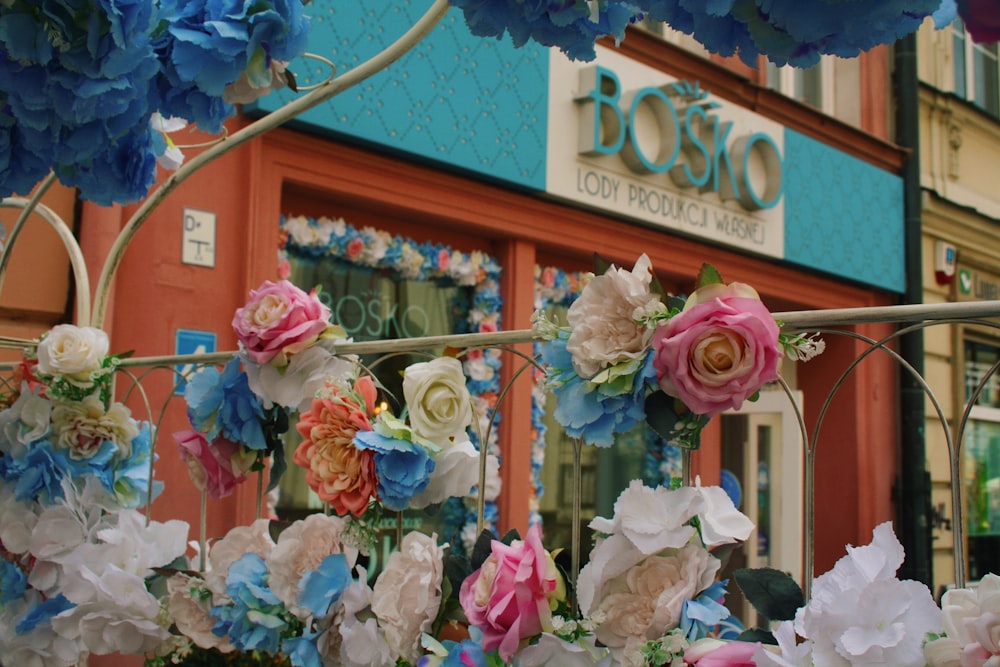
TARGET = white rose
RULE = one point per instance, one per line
(456, 471)
(407, 595)
(438, 400)
(301, 548)
(72, 352)
(605, 319)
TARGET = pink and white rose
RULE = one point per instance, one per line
(215, 467)
(407, 595)
(72, 352)
(510, 598)
(279, 320)
(608, 319)
(190, 613)
(719, 350)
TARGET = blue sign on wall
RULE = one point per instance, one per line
(469, 102)
(187, 341)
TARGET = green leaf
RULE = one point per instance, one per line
(482, 549)
(752, 635)
(771, 592)
(709, 275)
(660, 414)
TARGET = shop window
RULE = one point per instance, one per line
(381, 287)
(977, 73)
(981, 448)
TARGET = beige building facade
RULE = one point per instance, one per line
(959, 154)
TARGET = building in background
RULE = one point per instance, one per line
(960, 140)
(471, 183)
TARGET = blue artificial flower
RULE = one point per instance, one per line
(403, 468)
(571, 26)
(41, 613)
(206, 45)
(223, 404)
(20, 167)
(700, 615)
(595, 412)
(256, 619)
(121, 172)
(131, 475)
(13, 582)
(302, 650)
(466, 653)
(792, 32)
(323, 586)
(37, 475)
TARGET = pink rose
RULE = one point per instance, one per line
(278, 320)
(719, 351)
(508, 598)
(354, 247)
(716, 653)
(215, 467)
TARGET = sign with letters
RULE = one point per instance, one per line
(635, 142)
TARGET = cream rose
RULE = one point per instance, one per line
(301, 548)
(439, 404)
(660, 584)
(192, 615)
(407, 595)
(606, 320)
(73, 352)
(82, 426)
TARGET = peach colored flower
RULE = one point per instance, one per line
(191, 615)
(339, 472)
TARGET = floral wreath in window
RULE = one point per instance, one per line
(373, 248)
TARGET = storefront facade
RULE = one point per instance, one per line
(473, 182)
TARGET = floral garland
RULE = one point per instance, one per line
(75, 554)
(631, 355)
(369, 247)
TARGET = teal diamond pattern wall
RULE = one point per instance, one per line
(842, 215)
(471, 103)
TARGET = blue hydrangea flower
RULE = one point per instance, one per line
(40, 614)
(403, 468)
(323, 586)
(795, 32)
(572, 25)
(256, 619)
(207, 44)
(700, 615)
(38, 474)
(222, 403)
(13, 582)
(131, 476)
(20, 167)
(123, 171)
(595, 412)
(302, 650)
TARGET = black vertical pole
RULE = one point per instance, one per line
(913, 490)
